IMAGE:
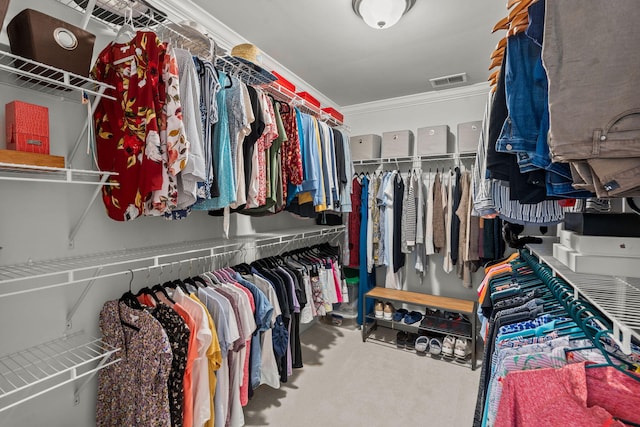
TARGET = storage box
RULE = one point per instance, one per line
(284, 82)
(468, 136)
(46, 39)
(603, 224)
(397, 144)
(27, 127)
(601, 245)
(596, 264)
(432, 140)
(33, 159)
(365, 147)
(334, 113)
(310, 99)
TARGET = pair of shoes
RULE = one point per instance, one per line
(422, 344)
(462, 348)
(448, 345)
(399, 314)
(379, 310)
(411, 340)
(412, 317)
(435, 346)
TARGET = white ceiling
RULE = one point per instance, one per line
(327, 45)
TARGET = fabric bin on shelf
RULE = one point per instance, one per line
(432, 140)
(397, 144)
(468, 136)
(365, 147)
(43, 38)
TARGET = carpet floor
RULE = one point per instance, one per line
(346, 382)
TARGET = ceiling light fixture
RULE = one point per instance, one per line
(381, 14)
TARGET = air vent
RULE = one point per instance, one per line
(451, 80)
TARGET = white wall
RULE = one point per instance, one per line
(445, 107)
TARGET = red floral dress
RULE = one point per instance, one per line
(128, 129)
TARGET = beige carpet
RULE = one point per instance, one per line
(346, 382)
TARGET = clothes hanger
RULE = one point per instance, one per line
(163, 291)
(502, 24)
(127, 32)
(147, 291)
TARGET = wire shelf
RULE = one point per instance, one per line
(51, 364)
(66, 271)
(281, 93)
(249, 73)
(420, 159)
(617, 298)
(47, 79)
(18, 172)
(144, 16)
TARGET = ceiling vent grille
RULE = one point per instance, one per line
(451, 80)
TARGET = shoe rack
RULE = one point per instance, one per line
(424, 301)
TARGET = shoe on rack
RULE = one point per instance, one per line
(379, 310)
(401, 339)
(422, 344)
(448, 345)
(463, 348)
(399, 314)
(435, 346)
(388, 311)
(412, 317)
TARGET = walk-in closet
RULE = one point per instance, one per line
(286, 213)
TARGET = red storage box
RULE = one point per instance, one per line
(310, 99)
(333, 113)
(284, 82)
(27, 127)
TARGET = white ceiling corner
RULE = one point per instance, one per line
(226, 38)
(324, 48)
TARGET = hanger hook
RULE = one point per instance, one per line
(131, 279)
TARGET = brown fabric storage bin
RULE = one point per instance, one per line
(43, 38)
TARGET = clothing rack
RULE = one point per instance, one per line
(36, 370)
(281, 93)
(616, 298)
(564, 316)
(198, 44)
(14, 279)
(582, 311)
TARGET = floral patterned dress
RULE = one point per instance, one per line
(129, 128)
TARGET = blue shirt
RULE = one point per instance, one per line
(263, 313)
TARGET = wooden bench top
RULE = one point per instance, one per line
(434, 301)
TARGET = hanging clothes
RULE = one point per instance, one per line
(355, 221)
(142, 373)
(194, 170)
(128, 139)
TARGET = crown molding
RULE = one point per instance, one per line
(226, 38)
(478, 89)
